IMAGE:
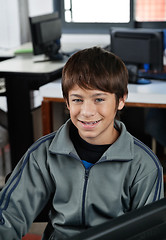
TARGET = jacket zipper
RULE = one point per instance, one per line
(84, 195)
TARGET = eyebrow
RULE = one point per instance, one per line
(75, 95)
(94, 95)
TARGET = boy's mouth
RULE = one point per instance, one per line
(89, 123)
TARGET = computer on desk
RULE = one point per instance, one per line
(146, 223)
(153, 75)
(140, 49)
(46, 34)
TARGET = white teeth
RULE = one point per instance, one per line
(90, 123)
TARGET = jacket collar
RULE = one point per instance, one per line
(61, 143)
(121, 150)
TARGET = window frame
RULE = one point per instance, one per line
(101, 28)
(88, 27)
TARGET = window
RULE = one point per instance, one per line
(94, 16)
(150, 10)
(97, 11)
(91, 16)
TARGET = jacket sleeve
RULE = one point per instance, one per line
(25, 194)
(148, 189)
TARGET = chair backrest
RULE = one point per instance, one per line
(3, 137)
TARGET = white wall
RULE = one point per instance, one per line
(39, 7)
(9, 24)
(11, 27)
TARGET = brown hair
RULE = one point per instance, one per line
(95, 68)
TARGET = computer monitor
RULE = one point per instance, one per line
(46, 34)
(146, 223)
(139, 47)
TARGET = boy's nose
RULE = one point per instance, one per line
(88, 109)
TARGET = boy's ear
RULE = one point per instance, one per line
(122, 102)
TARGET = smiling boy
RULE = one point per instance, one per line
(92, 166)
(93, 112)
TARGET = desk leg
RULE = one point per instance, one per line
(19, 118)
(46, 117)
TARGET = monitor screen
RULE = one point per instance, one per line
(146, 223)
(139, 46)
(46, 34)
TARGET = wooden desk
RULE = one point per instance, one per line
(22, 75)
(150, 95)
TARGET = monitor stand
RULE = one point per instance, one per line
(56, 57)
(43, 57)
(40, 58)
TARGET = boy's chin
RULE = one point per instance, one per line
(88, 137)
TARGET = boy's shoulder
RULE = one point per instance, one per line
(145, 160)
(140, 151)
(143, 150)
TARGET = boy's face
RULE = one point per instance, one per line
(93, 113)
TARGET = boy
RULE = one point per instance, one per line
(94, 169)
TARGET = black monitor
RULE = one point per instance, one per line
(139, 46)
(146, 223)
(46, 34)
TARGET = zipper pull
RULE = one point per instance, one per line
(86, 173)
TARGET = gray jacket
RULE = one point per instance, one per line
(127, 176)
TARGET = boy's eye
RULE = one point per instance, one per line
(77, 100)
(99, 100)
